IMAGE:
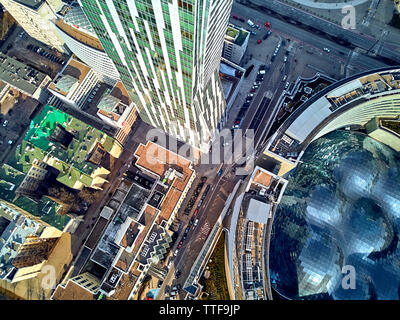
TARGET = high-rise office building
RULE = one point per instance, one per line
(167, 53)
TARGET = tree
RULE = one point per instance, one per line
(88, 195)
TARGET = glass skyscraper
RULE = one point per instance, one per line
(168, 54)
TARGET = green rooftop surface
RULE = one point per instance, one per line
(232, 32)
(85, 138)
(241, 37)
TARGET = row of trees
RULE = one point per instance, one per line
(72, 202)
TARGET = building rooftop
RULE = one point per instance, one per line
(258, 211)
(19, 75)
(32, 4)
(236, 35)
(85, 137)
(14, 229)
(159, 160)
(72, 291)
(76, 17)
(70, 78)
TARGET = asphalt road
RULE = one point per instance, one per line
(388, 49)
(303, 36)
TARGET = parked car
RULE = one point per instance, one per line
(267, 35)
(196, 212)
(176, 252)
(195, 222)
(180, 244)
(284, 78)
(178, 273)
(253, 33)
(259, 41)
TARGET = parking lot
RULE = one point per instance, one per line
(26, 49)
(16, 110)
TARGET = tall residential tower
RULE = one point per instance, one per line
(168, 53)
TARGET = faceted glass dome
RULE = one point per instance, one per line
(341, 207)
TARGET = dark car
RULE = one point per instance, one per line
(178, 286)
(187, 230)
(262, 67)
(248, 99)
(191, 221)
(178, 273)
(241, 20)
(167, 288)
(235, 17)
(246, 105)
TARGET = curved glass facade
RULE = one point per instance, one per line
(341, 207)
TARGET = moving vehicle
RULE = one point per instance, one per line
(253, 33)
(251, 23)
(261, 72)
(195, 222)
(327, 49)
(267, 24)
(259, 41)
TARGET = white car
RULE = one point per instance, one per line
(176, 252)
(327, 49)
(195, 222)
